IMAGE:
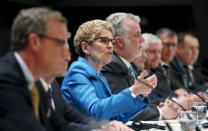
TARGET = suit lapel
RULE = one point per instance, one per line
(105, 83)
(10, 58)
(124, 69)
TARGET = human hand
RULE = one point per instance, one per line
(144, 85)
(181, 92)
(170, 111)
(185, 101)
(115, 126)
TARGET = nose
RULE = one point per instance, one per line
(68, 56)
(141, 39)
(110, 44)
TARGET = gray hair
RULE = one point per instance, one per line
(150, 39)
(32, 20)
(116, 20)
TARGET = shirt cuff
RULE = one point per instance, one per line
(133, 95)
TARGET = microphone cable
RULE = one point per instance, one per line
(186, 77)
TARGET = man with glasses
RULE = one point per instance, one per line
(169, 41)
(39, 48)
(119, 72)
(184, 62)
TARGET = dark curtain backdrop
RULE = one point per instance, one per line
(183, 15)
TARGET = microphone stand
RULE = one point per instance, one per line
(167, 124)
(186, 77)
(188, 115)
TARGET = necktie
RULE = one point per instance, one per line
(190, 79)
(34, 93)
(131, 71)
(191, 75)
(166, 70)
(49, 96)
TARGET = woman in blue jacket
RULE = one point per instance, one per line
(85, 87)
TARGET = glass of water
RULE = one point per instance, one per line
(200, 110)
(187, 120)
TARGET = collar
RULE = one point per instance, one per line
(45, 85)
(26, 71)
(163, 63)
(125, 62)
(191, 67)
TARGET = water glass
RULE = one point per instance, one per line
(200, 109)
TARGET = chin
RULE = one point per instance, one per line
(107, 61)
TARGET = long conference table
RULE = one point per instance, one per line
(169, 125)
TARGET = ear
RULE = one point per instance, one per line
(33, 41)
(119, 42)
(85, 47)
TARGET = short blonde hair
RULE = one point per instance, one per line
(88, 31)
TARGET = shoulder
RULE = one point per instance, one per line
(116, 65)
(80, 65)
(10, 70)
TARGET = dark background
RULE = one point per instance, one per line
(180, 15)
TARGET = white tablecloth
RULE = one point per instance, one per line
(174, 124)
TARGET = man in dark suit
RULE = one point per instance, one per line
(186, 56)
(128, 46)
(39, 47)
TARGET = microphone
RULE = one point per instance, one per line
(202, 69)
(186, 77)
(171, 99)
(137, 126)
(160, 93)
(187, 114)
(202, 75)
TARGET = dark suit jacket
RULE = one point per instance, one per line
(65, 110)
(16, 106)
(117, 74)
(177, 66)
(199, 80)
(163, 89)
(70, 113)
(119, 78)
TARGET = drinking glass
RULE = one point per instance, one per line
(200, 109)
(187, 120)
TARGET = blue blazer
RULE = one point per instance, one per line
(89, 92)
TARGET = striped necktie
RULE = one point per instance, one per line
(34, 93)
(131, 71)
(49, 96)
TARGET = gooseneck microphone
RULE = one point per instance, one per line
(188, 115)
(203, 69)
(187, 78)
(160, 93)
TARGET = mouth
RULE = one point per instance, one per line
(110, 53)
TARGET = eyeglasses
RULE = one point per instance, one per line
(168, 44)
(154, 51)
(106, 40)
(62, 43)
